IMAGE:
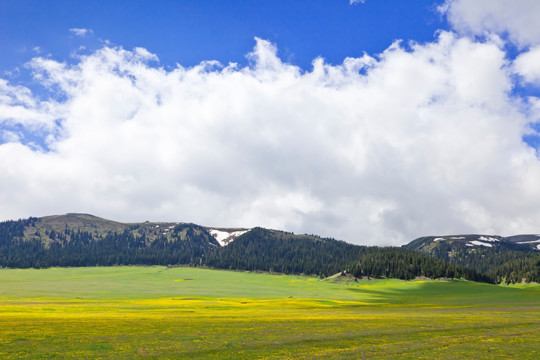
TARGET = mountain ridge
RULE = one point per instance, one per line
(505, 259)
(101, 225)
(76, 239)
(524, 241)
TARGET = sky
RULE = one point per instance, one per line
(373, 122)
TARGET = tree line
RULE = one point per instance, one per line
(505, 263)
(274, 251)
(188, 245)
(257, 250)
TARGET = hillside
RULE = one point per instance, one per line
(505, 259)
(278, 251)
(86, 240)
(50, 229)
(475, 242)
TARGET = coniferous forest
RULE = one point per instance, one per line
(505, 260)
(22, 245)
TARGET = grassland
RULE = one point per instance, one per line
(177, 313)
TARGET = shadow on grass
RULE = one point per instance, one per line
(451, 293)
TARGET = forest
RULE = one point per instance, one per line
(257, 250)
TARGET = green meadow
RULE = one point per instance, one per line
(188, 313)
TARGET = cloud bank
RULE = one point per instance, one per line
(378, 150)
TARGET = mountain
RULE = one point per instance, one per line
(86, 240)
(533, 241)
(284, 252)
(516, 242)
(49, 229)
(505, 259)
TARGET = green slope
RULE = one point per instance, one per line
(136, 282)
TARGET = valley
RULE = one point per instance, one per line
(181, 312)
(78, 286)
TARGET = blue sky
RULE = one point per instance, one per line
(188, 32)
(325, 123)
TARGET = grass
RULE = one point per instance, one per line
(82, 222)
(172, 313)
(96, 226)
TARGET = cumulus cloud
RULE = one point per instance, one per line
(81, 31)
(377, 150)
(18, 106)
(505, 22)
(527, 65)
(516, 18)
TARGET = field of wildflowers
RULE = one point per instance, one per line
(174, 313)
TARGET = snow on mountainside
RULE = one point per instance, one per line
(225, 236)
(523, 242)
(478, 243)
(507, 259)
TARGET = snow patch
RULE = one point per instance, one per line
(529, 242)
(469, 245)
(492, 239)
(450, 238)
(225, 237)
(479, 243)
(538, 247)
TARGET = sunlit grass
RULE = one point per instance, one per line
(155, 312)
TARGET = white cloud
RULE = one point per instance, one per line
(352, 2)
(10, 136)
(81, 32)
(527, 65)
(517, 18)
(19, 106)
(376, 150)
